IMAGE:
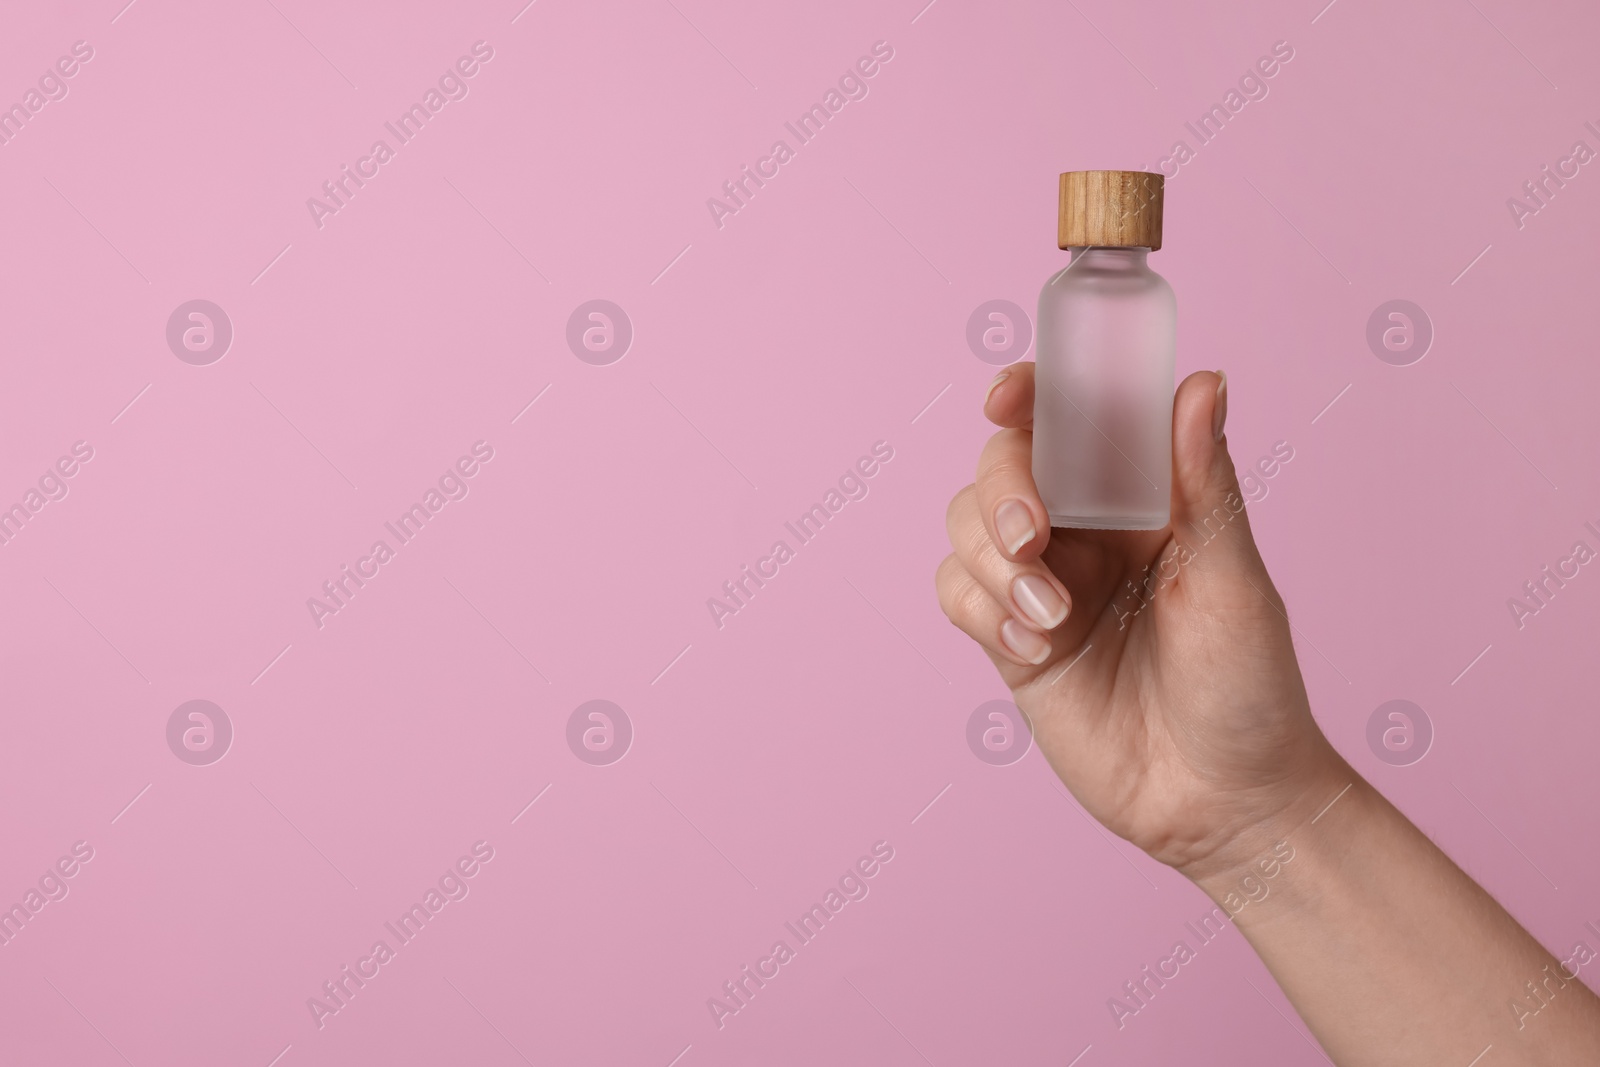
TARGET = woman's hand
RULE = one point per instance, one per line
(1160, 676)
(1157, 667)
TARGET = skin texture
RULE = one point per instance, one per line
(1159, 672)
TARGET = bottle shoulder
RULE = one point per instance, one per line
(1071, 283)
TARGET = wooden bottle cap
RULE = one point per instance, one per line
(1111, 209)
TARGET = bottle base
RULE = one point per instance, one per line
(1109, 522)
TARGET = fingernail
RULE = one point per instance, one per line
(1014, 523)
(998, 378)
(1026, 645)
(1039, 601)
(1219, 412)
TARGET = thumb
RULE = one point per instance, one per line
(1208, 510)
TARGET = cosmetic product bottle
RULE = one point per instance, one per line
(1102, 409)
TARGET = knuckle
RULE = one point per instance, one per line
(1006, 456)
(961, 505)
(960, 596)
(947, 580)
(987, 558)
(973, 543)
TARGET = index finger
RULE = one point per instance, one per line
(1017, 520)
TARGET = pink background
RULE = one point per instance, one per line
(825, 316)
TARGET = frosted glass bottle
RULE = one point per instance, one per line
(1106, 351)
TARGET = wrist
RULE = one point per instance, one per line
(1258, 845)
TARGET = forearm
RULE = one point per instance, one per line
(1389, 952)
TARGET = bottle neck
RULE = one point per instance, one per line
(1109, 259)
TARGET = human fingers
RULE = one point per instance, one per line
(1208, 508)
(1008, 500)
(1034, 595)
(1009, 402)
(968, 605)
